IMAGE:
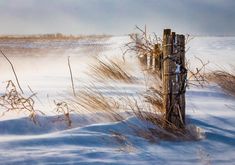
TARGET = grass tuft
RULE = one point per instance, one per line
(92, 101)
(226, 80)
(110, 69)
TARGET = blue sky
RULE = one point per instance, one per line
(203, 17)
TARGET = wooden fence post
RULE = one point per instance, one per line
(174, 78)
(166, 48)
(181, 49)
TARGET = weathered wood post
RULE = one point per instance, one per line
(183, 74)
(157, 59)
(174, 78)
(166, 48)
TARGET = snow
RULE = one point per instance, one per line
(98, 140)
(219, 51)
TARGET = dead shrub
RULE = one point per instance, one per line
(13, 101)
(142, 43)
(145, 45)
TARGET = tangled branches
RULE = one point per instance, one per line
(142, 43)
(197, 77)
(12, 100)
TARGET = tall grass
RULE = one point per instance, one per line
(149, 111)
(225, 79)
(112, 70)
(90, 101)
(146, 107)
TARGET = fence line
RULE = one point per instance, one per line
(168, 60)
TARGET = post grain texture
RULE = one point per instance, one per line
(183, 74)
(174, 78)
(167, 49)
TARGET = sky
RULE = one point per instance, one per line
(196, 17)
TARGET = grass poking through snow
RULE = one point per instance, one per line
(13, 101)
(90, 100)
(112, 70)
(226, 80)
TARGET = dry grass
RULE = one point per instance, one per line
(150, 113)
(154, 98)
(147, 108)
(226, 80)
(13, 101)
(90, 100)
(111, 69)
(64, 112)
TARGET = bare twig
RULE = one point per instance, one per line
(188, 38)
(71, 76)
(13, 69)
(197, 76)
(13, 101)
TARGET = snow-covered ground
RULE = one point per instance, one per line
(91, 141)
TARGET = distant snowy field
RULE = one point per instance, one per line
(92, 142)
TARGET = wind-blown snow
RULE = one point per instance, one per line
(101, 141)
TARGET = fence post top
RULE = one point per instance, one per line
(167, 31)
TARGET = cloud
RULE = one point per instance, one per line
(209, 17)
